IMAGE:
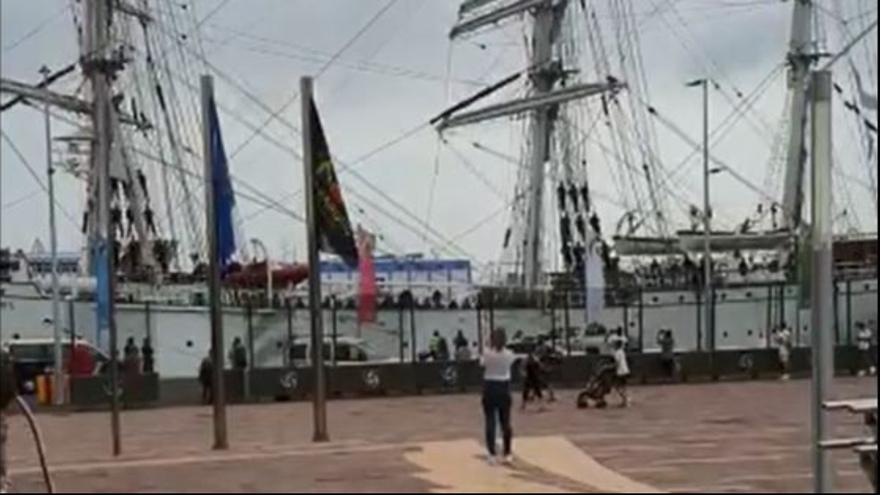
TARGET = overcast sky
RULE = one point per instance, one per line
(392, 79)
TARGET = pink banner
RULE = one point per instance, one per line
(367, 286)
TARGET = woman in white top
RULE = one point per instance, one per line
(497, 362)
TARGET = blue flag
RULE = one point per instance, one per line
(102, 276)
(224, 197)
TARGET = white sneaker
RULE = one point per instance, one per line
(861, 373)
(785, 377)
(507, 460)
(491, 460)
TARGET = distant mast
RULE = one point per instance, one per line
(542, 105)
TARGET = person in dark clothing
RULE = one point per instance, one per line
(238, 354)
(459, 341)
(443, 350)
(206, 379)
(148, 355)
(532, 383)
(560, 196)
(116, 220)
(142, 180)
(594, 222)
(581, 226)
(129, 217)
(149, 220)
(666, 341)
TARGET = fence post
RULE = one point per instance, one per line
(835, 293)
(148, 320)
(250, 337)
(491, 311)
(333, 329)
(412, 328)
(400, 335)
(289, 349)
(641, 316)
(849, 339)
(769, 325)
(566, 321)
(480, 323)
(700, 302)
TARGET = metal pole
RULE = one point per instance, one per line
(319, 399)
(221, 441)
(707, 227)
(246, 373)
(400, 336)
(288, 355)
(58, 369)
(334, 328)
(566, 321)
(821, 289)
(100, 75)
(412, 328)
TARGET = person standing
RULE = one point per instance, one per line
(443, 350)
(666, 341)
(460, 342)
(206, 379)
(434, 346)
(621, 375)
(532, 386)
(132, 357)
(497, 362)
(782, 338)
(148, 356)
(238, 355)
(863, 339)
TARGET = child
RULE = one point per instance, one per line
(783, 342)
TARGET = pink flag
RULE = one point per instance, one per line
(367, 292)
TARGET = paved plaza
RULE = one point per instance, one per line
(720, 437)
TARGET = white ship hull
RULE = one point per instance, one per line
(181, 333)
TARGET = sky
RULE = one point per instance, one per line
(387, 79)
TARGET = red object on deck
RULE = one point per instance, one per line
(254, 275)
(82, 362)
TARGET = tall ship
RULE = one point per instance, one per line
(603, 231)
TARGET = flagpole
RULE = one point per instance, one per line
(319, 397)
(218, 394)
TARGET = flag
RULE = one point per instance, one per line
(804, 269)
(334, 229)
(224, 196)
(102, 291)
(367, 281)
(594, 280)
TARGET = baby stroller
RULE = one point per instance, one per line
(598, 385)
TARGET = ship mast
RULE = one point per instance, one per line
(800, 59)
(542, 105)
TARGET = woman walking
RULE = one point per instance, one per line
(497, 362)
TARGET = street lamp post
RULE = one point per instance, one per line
(58, 369)
(707, 219)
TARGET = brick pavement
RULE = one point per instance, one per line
(728, 437)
